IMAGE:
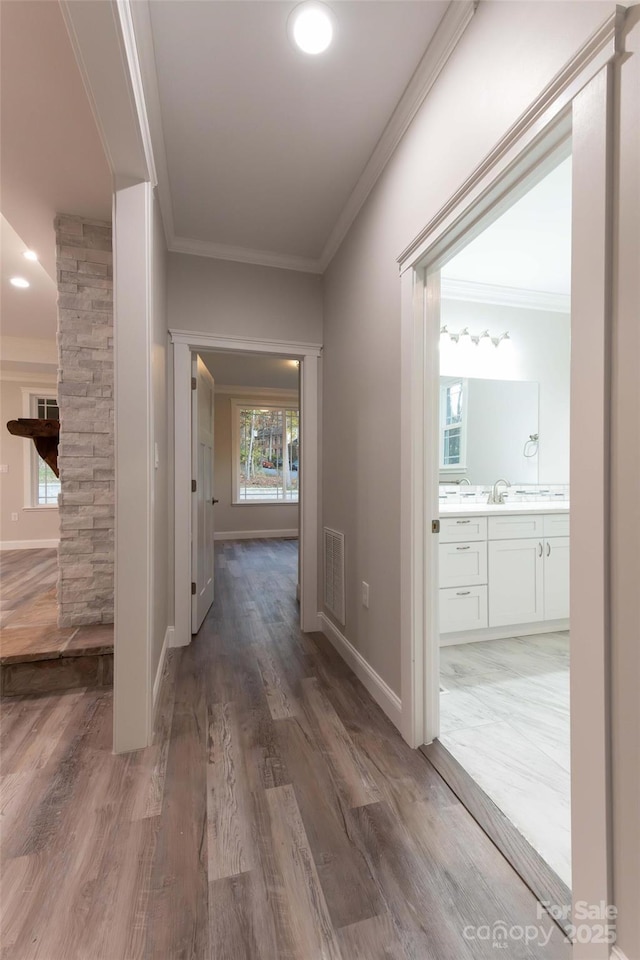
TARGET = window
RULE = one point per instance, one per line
(266, 457)
(453, 425)
(41, 484)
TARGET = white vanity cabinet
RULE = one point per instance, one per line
(556, 578)
(512, 571)
(517, 581)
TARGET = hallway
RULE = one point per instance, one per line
(278, 815)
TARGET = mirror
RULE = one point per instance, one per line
(486, 430)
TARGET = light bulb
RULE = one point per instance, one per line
(311, 27)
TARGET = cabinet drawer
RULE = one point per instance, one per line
(556, 526)
(517, 527)
(464, 608)
(463, 564)
(462, 529)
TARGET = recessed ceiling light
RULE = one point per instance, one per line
(311, 26)
(30, 255)
(19, 282)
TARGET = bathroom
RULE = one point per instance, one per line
(504, 430)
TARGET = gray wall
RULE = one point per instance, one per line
(241, 300)
(34, 525)
(508, 54)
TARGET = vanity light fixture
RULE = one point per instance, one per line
(464, 336)
(310, 27)
(20, 282)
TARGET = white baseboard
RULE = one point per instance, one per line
(29, 544)
(254, 534)
(166, 643)
(380, 691)
(175, 641)
(504, 633)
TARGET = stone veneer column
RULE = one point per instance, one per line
(85, 398)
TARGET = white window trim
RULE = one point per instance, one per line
(47, 391)
(254, 403)
(462, 466)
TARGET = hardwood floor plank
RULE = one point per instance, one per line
(229, 833)
(536, 873)
(240, 927)
(177, 919)
(372, 939)
(350, 890)
(116, 857)
(282, 703)
(349, 767)
(311, 926)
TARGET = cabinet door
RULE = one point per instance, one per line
(463, 564)
(462, 609)
(556, 578)
(516, 574)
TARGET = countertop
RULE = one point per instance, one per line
(504, 510)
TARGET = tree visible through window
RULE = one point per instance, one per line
(267, 450)
(452, 424)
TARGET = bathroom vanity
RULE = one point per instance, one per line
(504, 570)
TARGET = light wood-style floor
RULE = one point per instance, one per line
(505, 718)
(278, 816)
(28, 588)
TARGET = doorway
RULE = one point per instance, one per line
(580, 111)
(502, 588)
(306, 358)
(251, 441)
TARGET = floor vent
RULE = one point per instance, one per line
(334, 573)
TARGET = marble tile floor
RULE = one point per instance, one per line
(504, 715)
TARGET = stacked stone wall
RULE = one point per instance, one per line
(86, 455)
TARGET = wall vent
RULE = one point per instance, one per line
(334, 573)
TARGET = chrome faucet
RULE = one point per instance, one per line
(464, 482)
(496, 495)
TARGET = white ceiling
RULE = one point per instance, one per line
(242, 370)
(529, 246)
(52, 160)
(264, 144)
(29, 312)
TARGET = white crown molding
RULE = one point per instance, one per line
(143, 51)
(97, 35)
(266, 392)
(197, 340)
(259, 258)
(444, 41)
(472, 292)
(125, 18)
(138, 39)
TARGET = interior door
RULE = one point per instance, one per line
(202, 499)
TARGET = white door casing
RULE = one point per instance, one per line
(202, 525)
(185, 343)
(578, 102)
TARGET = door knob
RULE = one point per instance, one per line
(214, 501)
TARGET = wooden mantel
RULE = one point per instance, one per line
(45, 435)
